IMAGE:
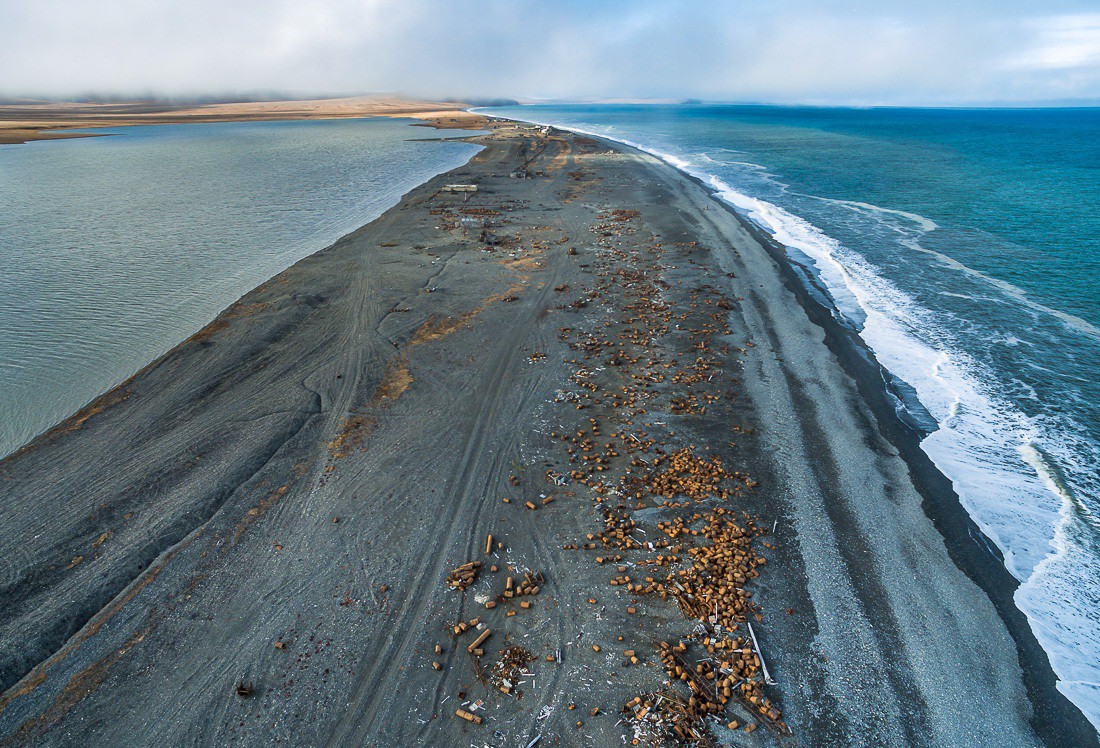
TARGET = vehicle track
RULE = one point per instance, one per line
(467, 495)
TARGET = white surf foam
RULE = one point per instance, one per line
(922, 223)
(984, 445)
(1064, 613)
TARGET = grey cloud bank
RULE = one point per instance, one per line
(788, 52)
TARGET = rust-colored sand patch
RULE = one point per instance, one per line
(76, 421)
(349, 438)
(436, 328)
(209, 331)
(561, 158)
(95, 408)
(80, 686)
(439, 327)
(398, 378)
(259, 510)
(246, 310)
(32, 681)
(395, 381)
(524, 263)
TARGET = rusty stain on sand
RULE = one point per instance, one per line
(395, 381)
(82, 685)
(95, 408)
(561, 158)
(78, 420)
(353, 429)
(350, 437)
(259, 510)
(209, 331)
(246, 310)
(436, 328)
(397, 378)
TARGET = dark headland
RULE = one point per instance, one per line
(279, 532)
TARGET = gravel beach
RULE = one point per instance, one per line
(588, 359)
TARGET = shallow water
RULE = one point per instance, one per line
(113, 249)
(964, 246)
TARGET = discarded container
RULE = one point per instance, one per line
(477, 642)
(468, 716)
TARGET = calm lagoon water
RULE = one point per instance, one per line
(113, 249)
(964, 246)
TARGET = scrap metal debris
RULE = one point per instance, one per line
(464, 575)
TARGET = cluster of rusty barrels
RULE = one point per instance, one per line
(684, 472)
(528, 585)
(713, 587)
(618, 526)
(464, 575)
(714, 683)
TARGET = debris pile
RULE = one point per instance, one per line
(684, 472)
(624, 214)
(730, 672)
(649, 361)
(713, 588)
(464, 575)
(529, 584)
(463, 626)
(509, 669)
(666, 718)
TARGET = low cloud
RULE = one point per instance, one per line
(1061, 43)
(783, 51)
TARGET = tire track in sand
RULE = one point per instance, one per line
(366, 700)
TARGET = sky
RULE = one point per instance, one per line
(931, 52)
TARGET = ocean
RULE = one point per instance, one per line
(964, 247)
(114, 249)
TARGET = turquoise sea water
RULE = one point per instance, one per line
(113, 249)
(964, 246)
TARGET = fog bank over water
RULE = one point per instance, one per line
(932, 52)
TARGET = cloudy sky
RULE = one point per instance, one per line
(806, 51)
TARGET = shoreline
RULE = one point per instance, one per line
(973, 552)
(347, 376)
(31, 417)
